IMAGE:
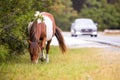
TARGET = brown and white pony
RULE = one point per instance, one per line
(40, 33)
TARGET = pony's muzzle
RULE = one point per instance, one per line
(35, 61)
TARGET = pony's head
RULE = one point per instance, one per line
(34, 50)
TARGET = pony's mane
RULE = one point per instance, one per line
(33, 31)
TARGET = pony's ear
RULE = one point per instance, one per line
(29, 41)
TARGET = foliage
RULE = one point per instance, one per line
(106, 15)
(64, 13)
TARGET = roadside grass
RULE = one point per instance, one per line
(76, 64)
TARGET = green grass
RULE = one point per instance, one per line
(76, 64)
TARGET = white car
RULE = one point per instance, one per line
(84, 26)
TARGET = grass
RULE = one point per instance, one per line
(76, 64)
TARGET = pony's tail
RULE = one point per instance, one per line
(60, 39)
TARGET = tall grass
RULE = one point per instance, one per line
(76, 64)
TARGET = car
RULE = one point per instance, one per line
(84, 26)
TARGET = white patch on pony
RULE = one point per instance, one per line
(49, 27)
(48, 22)
(47, 58)
(39, 21)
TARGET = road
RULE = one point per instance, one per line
(87, 41)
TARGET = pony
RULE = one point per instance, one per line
(41, 32)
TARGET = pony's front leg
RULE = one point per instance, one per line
(42, 55)
(47, 50)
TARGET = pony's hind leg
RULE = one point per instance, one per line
(47, 50)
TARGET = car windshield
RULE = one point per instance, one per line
(84, 22)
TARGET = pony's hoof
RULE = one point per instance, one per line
(42, 59)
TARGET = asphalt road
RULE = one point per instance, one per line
(87, 41)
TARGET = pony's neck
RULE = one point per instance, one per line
(33, 32)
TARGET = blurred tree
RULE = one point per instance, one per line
(78, 4)
(106, 15)
(11, 31)
(64, 13)
(112, 1)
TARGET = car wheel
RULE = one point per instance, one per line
(72, 35)
(95, 35)
(91, 35)
(75, 35)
